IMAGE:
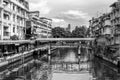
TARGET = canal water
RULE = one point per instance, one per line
(68, 65)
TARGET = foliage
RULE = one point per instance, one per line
(79, 32)
(58, 32)
(14, 37)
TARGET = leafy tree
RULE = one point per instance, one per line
(58, 32)
(68, 34)
(14, 37)
(79, 32)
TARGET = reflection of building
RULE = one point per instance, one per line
(38, 26)
(13, 16)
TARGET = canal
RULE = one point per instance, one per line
(67, 64)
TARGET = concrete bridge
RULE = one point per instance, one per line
(65, 39)
(45, 40)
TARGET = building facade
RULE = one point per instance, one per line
(115, 21)
(38, 27)
(107, 27)
(100, 26)
(101, 29)
(47, 27)
(13, 16)
(68, 28)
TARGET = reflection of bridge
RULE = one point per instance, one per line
(64, 46)
(70, 66)
(68, 46)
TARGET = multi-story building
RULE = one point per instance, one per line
(108, 38)
(94, 27)
(115, 21)
(101, 29)
(47, 24)
(13, 16)
(37, 26)
(100, 26)
(68, 28)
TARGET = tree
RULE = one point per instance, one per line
(68, 34)
(14, 37)
(79, 32)
(58, 32)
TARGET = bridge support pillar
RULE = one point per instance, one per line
(79, 50)
(79, 55)
(79, 62)
(38, 52)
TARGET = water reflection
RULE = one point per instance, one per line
(67, 60)
(67, 64)
(103, 70)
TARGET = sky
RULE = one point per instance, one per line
(75, 12)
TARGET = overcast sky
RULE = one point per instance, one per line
(75, 12)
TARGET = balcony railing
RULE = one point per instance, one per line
(117, 30)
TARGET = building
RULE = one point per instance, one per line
(94, 27)
(115, 21)
(101, 26)
(106, 30)
(38, 27)
(13, 16)
(101, 29)
(47, 24)
(68, 28)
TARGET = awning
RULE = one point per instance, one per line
(15, 70)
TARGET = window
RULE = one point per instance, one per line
(13, 7)
(6, 17)
(14, 29)
(6, 33)
(14, 18)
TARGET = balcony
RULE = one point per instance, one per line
(107, 30)
(117, 40)
(1, 6)
(117, 31)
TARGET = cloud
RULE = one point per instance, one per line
(74, 17)
(76, 14)
(59, 22)
(40, 5)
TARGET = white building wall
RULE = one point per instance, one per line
(17, 18)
